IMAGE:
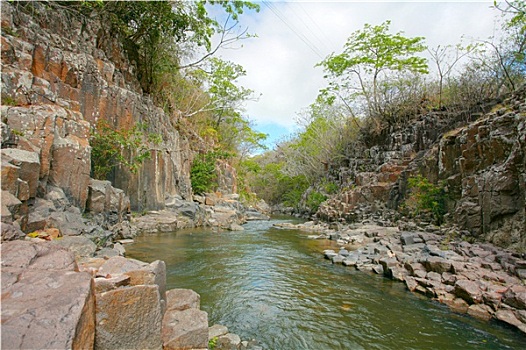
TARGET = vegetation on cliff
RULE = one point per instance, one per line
(171, 46)
(383, 82)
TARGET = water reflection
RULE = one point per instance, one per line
(274, 285)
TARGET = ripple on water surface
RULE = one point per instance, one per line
(274, 285)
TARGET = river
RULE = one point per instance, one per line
(275, 286)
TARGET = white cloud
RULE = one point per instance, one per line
(280, 62)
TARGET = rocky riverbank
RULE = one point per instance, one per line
(481, 280)
(55, 298)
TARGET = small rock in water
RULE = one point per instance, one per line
(337, 259)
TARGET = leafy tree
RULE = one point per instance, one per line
(368, 56)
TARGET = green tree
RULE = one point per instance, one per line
(368, 56)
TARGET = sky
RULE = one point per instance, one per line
(293, 36)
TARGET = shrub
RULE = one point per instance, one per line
(426, 198)
(127, 148)
(314, 199)
(203, 171)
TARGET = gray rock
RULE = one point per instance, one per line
(350, 261)
(235, 227)
(378, 269)
(11, 232)
(69, 223)
(228, 341)
(57, 196)
(337, 259)
(117, 247)
(216, 331)
(81, 246)
(329, 254)
(107, 253)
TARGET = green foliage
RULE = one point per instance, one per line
(127, 148)
(8, 101)
(426, 198)
(330, 187)
(368, 56)
(203, 171)
(314, 199)
(212, 343)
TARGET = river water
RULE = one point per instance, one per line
(275, 286)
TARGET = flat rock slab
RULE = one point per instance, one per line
(38, 256)
(46, 303)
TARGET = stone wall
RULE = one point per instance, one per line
(59, 76)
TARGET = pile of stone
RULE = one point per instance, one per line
(481, 280)
(51, 301)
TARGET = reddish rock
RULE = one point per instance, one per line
(509, 317)
(9, 177)
(455, 304)
(437, 264)
(469, 291)
(46, 256)
(46, 303)
(129, 318)
(515, 296)
(187, 329)
(480, 311)
(182, 299)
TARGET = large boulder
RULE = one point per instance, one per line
(182, 299)
(29, 167)
(187, 329)
(140, 273)
(184, 325)
(46, 303)
(129, 318)
(105, 199)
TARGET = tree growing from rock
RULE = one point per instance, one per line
(369, 56)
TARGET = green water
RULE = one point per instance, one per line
(274, 285)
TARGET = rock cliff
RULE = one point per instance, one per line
(477, 156)
(59, 76)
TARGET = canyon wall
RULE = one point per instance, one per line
(478, 157)
(61, 73)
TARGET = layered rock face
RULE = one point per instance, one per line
(59, 77)
(480, 158)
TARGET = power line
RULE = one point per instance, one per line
(326, 39)
(300, 35)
